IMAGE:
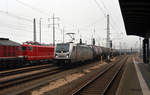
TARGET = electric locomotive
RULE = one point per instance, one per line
(36, 52)
(9, 52)
(15, 54)
(73, 53)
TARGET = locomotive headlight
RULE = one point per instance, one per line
(67, 55)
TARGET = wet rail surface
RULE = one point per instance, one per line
(99, 84)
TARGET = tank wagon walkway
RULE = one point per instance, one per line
(136, 79)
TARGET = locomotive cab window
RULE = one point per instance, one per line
(24, 48)
(30, 48)
(62, 47)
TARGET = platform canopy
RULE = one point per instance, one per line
(136, 15)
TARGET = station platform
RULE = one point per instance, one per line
(136, 78)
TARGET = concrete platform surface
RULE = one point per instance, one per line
(145, 70)
(129, 84)
(141, 78)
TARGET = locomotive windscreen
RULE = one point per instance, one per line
(62, 47)
(24, 48)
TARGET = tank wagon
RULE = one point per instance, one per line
(97, 52)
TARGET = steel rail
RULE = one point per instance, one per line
(23, 70)
(82, 87)
(27, 76)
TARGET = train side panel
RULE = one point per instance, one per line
(37, 52)
(10, 52)
(81, 53)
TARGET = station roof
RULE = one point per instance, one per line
(136, 15)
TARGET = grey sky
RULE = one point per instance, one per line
(16, 20)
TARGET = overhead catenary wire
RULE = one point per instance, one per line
(18, 29)
(36, 9)
(33, 8)
(13, 32)
(106, 13)
(17, 25)
(83, 27)
(115, 24)
(104, 5)
(15, 16)
(99, 6)
(112, 19)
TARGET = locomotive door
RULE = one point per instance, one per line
(30, 52)
(35, 53)
(4, 52)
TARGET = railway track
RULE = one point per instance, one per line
(23, 70)
(15, 66)
(9, 78)
(99, 84)
(18, 76)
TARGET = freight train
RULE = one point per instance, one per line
(73, 53)
(15, 54)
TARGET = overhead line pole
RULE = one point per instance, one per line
(108, 12)
(53, 30)
(108, 32)
(34, 30)
(40, 29)
(108, 28)
(53, 24)
(63, 33)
